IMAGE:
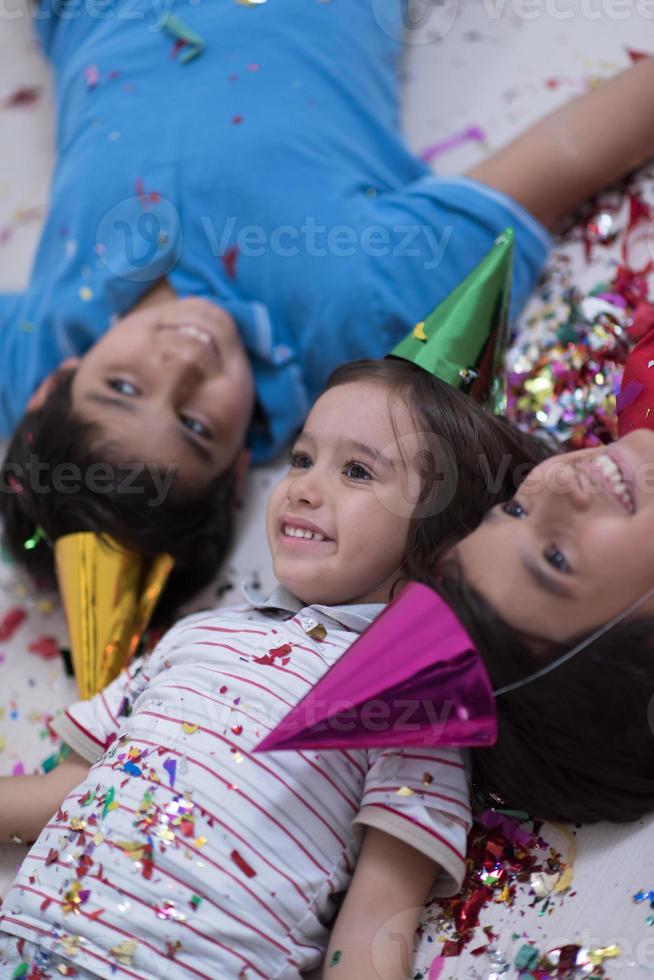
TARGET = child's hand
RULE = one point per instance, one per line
(373, 935)
(28, 802)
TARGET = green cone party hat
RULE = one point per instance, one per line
(463, 339)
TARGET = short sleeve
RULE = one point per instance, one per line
(89, 727)
(422, 798)
(437, 230)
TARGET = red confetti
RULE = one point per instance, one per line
(237, 120)
(637, 55)
(146, 198)
(276, 653)
(241, 863)
(11, 621)
(45, 903)
(45, 647)
(223, 689)
(237, 729)
(228, 260)
(53, 855)
(26, 95)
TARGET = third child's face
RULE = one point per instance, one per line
(356, 498)
(575, 547)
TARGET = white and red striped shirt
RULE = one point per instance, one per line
(185, 854)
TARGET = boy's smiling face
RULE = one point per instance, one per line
(356, 501)
(172, 384)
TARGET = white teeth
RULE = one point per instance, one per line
(197, 332)
(301, 532)
(611, 471)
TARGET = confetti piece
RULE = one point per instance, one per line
(404, 791)
(473, 133)
(45, 647)
(228, 260)
(436, 968)
(124, 952)
(191, 43)
(189, 729)
(419, 331)
(24, 96)
(109, 803)
(241, 863)
(170, 765)
(92, 76)
(85, 293)
(337, 956)
(275, 653)
(10, 622)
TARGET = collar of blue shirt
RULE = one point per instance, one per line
(353, 617)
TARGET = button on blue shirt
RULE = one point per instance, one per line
(267, 174)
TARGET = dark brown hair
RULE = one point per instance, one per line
(576, 745)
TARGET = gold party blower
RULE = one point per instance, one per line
(109, 595)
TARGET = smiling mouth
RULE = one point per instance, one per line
(292, 532)
(614, 480)
(193, 331)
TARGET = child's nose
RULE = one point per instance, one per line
(306, 489)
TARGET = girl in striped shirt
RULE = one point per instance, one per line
(165, 847)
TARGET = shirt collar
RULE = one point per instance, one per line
(355, 617)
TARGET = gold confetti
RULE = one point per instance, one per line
(200, 841)
(77, 824)
(419, 331)
(85, 293)
(404, 791)
(70, 945)
(603, 953)
(317, 632)
(124, 952)
(46, 606)
(189, 729)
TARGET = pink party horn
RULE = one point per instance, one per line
(412, 678)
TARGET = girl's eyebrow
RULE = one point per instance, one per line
(352, 445)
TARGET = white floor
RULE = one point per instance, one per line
(500, 65)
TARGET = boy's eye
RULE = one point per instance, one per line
(557, 559)
(122, 386)
(300, 460)
(195, 426)
(357, 472)
(514, 509)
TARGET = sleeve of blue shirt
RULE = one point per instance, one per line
(438, 230)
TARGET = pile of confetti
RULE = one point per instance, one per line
(565, 367)
(509, 862)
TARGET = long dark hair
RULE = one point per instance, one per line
(576, 745)
(195, 525)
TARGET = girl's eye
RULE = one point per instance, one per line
(122, 386)
(514, 509)
(357, 472)
(300, 461)
(195, 426)
(557, 559)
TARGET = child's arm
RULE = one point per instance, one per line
(578, 149)
(28, 802)
(373, 935)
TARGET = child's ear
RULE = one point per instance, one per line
(241, 468)
(44, 389)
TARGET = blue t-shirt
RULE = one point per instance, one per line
(267, 173)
